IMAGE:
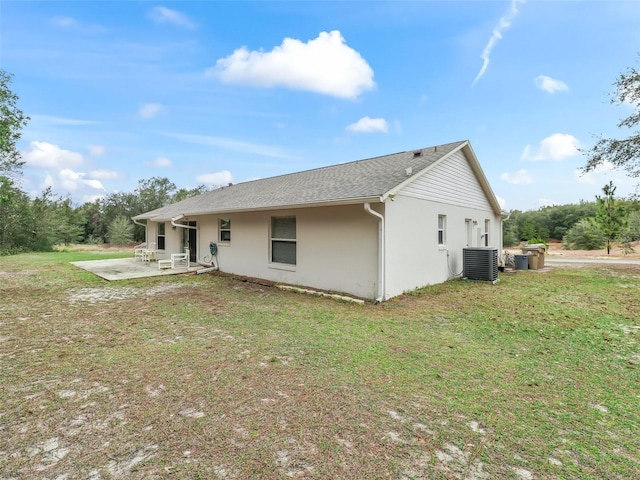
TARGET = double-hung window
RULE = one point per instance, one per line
(161, 236)
(442, 229)
(283, 240)
(225, 230)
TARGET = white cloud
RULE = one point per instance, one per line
(546, 202)
(97, 150)
(367, 124)
(503, 24)
(556, 147)
(604, 167)
(161, 162)
(521, 177)
(597, 175)
(71, 181)
(69, 23)
(325, 65)
(166, 15)
(231, 144)
(502, 202)
(62, 121)
(48, 155)
(549, 84)
(585, 178)
(104, 175)
(223, 177)
(64, 22)
(149, 110)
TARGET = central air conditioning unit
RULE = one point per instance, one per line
(480, 263)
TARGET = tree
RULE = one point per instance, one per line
(633, 226)
(154, 193)
(610, 215)
(69, 222)
(584, 235)
(14, 213)
(625, 152)
(120, 231)
(187, 193)
(12, 121)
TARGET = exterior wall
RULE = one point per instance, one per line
(172, 240)
(413, 256)
(336, 247)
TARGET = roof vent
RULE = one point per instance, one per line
(409, 171)
(417, 153)
(230, 184)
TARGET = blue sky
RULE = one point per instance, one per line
(217, 92)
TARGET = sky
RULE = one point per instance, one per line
(210, 92)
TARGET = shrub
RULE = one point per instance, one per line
(584, 235)
(120, 231)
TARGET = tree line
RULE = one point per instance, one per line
(582, 226)
(37, 224)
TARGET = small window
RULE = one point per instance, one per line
(486, 233)
(160, 241)
(442, 225)
(283, 240)
(225, 230)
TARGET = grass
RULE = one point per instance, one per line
(204, 376)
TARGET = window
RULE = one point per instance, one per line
(486, 233)
(225, 230)
(161, 236)
(283, 240)
(442, 225)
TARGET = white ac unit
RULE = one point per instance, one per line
(480, 263)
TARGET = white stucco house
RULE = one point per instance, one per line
(372, 228)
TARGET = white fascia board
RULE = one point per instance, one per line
(484, 183)
(332, 203)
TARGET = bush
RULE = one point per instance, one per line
(535, 240)
(584, 235)
(633, 226)
(120, 231)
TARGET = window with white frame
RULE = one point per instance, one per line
(442, 227)
(225, 230)
(486, 233)
(283, 240)
(161, 236)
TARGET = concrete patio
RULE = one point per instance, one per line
(126, 268)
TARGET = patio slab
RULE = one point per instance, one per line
(125, 268)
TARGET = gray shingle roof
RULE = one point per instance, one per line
(346, 182)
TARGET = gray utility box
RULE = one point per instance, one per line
(480, 263)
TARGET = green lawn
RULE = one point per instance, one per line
(206, 376)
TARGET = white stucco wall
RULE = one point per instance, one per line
(336, 247)
(413, 256)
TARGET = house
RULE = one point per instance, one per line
(372, 228)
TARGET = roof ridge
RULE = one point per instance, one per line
(335, 165)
